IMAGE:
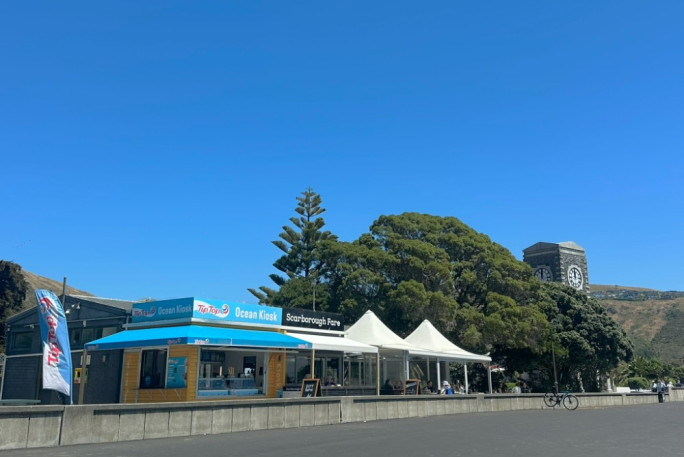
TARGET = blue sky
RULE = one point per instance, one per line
(155, 149)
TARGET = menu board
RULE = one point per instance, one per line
(412, 387)
(311, 387)
(176, 374)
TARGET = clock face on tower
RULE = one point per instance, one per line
(543, 274)
(575, 278)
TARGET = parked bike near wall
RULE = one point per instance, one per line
(568, 400)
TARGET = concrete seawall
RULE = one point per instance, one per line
(46, 426)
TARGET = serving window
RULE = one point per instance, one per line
(230, 373)
(153, 368)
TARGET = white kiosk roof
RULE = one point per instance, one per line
(428, 337)
(370, 330)
(334, 343)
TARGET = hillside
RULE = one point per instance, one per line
(41, 282)
(654, 320)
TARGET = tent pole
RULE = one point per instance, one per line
(406, 365)
(489, 372)
(377, 373)
(313, 361)
(439, 375)
(465, 375)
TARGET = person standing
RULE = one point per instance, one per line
(661, 391)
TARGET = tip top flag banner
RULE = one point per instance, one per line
(56, 350)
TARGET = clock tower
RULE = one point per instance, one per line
(559, 262)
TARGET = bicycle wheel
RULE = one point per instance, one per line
(570, 402)
(550, 399)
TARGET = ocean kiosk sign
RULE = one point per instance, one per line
(193, 309)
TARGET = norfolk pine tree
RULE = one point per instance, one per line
(301, 262)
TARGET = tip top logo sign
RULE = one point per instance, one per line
(137, 312)
(206, 308)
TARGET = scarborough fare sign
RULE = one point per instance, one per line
(192, 308)
(295, 317)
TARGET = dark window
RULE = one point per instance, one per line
(153, 369)
(81, 335)
(78, 336)
(22, 341)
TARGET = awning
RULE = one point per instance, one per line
(459, 357)
(334, 343)
(197, 335)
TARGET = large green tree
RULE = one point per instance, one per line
(412, 267)
(588, 344)
(301, 265)
(13, 290)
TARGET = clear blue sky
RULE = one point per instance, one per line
(155, 149)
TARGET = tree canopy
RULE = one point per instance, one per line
(410, 267)
(588, 343)
(13, 290)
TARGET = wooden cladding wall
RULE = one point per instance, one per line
(276, 372)
(130, 378)
(131, 393)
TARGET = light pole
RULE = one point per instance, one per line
(313, 285)
(553, 357)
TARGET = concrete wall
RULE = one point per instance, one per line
(45, 426)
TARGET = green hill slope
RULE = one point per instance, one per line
(654, 320)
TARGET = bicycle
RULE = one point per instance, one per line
(568, 400)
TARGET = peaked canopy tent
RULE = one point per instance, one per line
(369, 329)
(427, 336)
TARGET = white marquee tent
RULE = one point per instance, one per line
(428, 337)
(369, 329)
(425, 342)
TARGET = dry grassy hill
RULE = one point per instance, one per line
(41, 282)
(654, 320)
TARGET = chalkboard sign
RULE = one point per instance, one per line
(412, 387)
(311, 387)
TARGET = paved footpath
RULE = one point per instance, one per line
(655, 430)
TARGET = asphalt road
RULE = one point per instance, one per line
(649, 430)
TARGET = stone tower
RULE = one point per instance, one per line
(559, 262)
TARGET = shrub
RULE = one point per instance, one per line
(638, 382)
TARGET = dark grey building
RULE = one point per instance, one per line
(88, 318)
(559, 262)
